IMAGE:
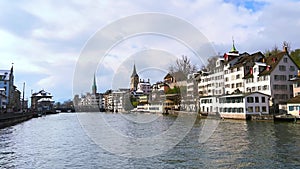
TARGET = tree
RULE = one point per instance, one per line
(295, 55)
(275, 50)
(183, 65)
(211, 63)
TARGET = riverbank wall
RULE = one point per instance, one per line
(7, 120)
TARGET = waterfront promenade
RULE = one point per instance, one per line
(9, 119)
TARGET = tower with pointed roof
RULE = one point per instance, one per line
(233, 53)
(94, 86)
(233, 49)
(134, 79)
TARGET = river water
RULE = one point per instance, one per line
(61, 141)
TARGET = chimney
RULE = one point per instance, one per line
(285, 48)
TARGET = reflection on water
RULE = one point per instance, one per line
(58, 141)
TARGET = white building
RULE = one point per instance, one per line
(208, 105)
(272, 76)
(238, 106)
(144, 86)
(117, 100)
(293, 106)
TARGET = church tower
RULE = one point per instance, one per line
(134, 79)
(94, 86)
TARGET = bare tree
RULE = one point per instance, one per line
(211, 63)
(183, 65)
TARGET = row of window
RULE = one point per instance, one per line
(212, 78)
(256, 99)
(283, 68)
(280, 77)
(294, 108)
(231, 100)
(250, 109)
(206, 101)
(232, 70)
(251, 80)
(281, 96)
(262, 78)
(231, 110)
(280, 87)
(258, 88)
(256, 109)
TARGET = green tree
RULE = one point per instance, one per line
(295, 55)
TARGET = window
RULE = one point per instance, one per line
(257, 109)
(291, 108)
(250, 109)
(250, 99)
(234, 110)
(264, 109)
(266, 87)
(241, 110)
(282, 68)
(256, 99)
(237, 76)
(263, 99)
(259, 88)
(280, 77)
(253, 89)
(232, 85)
(285, 60)
(255, 70)
(292, 68)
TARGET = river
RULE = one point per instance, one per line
(61, 141)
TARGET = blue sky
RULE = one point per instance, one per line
(44, 39)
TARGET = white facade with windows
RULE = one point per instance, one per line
(273, 77)
(208, 105)
(234, 79)
(238, 106)
(144, 86)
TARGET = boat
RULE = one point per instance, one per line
(286, 118)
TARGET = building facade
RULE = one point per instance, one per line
(42, 102)
(11, 100)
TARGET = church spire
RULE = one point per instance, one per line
(134, 71)
(233, 49)
(94, 86)
(12, 68)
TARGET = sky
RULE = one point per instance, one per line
(46, 39)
